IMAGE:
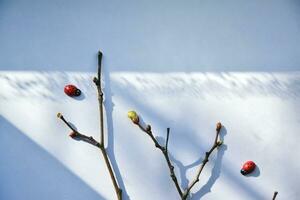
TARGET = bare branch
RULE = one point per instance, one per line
(97, 82)
(205, 160)
(274, 196)
(78, 136)
(164, 150)
(60, 116)
(183, 193)
(167, 140)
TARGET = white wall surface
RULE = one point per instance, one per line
(260, 113)
(180, 64)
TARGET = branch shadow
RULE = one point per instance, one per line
(216, 171)
(161, 121)
(109, 105)
(28, 171)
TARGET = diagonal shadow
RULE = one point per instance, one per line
(29, 172)
(161, 121)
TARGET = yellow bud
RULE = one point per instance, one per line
(133, 116)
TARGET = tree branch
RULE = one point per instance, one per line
(78, 136)
(183, 193)
(205, 160)
(274, 196)
(167, 140)
(97, 81)
(164, 150)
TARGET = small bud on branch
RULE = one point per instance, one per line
(218, 126)
(133, 116)
(148, 128)
(73, 134)
(59, 115)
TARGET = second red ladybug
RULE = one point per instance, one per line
(72, 90)
(248, 167)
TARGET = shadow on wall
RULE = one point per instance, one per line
(109, 106)
(216, 171)
(187, 141)
(201, 85)
(49, 85)
(29, 172)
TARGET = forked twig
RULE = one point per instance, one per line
(216, 144)
(78, 136)
(164, 149)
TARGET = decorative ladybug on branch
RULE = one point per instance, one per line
(248, 167)
(72, 90)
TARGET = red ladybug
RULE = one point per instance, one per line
(72, 90)
(248, 167)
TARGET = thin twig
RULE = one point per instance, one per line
(164, 150)
(205, 160)
(97, 82)
(274, 196)
(78, 136)
(183, 193)
(167, 140)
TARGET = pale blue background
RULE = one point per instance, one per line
(194, 35)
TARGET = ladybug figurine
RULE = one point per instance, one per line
(72, 91)
(248, 167)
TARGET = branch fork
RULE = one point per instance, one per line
(183, 193)
(89, 139)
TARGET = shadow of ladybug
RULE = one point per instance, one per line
(248, 167)
(72, 91)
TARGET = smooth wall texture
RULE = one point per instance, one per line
(180, 64)
(196, 35)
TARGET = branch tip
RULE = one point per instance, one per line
(73, 134)
(274, 196)
(218, 126)
(59, 115)
(167, 140)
